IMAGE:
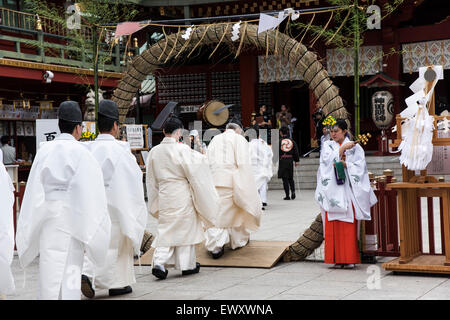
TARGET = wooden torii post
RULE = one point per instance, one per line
(412, 258)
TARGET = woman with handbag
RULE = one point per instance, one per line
(344, 195)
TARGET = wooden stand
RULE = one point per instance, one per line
(412, 259)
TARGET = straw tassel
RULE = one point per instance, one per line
(242, 40)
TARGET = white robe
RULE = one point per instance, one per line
(6, 230)
(181, 194)
(261, 159)
(229, 160)
(336, 199)
(127, 209)
(65, 189)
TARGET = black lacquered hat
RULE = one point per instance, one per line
(108, 108)
(70, 111)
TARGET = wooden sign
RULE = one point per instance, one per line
(135, 135)
(440, 163)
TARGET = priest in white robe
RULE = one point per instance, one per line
(261, 155)
(343, 202)
(240, 205)
(6, 231)
(181, 195)
(64, 211)
(126, 206)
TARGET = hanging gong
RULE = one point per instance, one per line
(211, 115)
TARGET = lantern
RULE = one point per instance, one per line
(382, 109)
(22, 103)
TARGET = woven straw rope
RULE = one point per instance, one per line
(305, 62)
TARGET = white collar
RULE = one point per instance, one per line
(168, 140)
(65, 136)
(105, 136)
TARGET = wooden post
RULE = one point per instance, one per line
(446, 226)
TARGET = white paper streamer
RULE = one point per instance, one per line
(188, 32)
(417, 130)
(235, 32)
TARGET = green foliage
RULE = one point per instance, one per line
(352, 26)
(93, 13)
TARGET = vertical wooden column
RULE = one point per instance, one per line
(409, 229)
(312, 109)
(248, 68)
(446, 226)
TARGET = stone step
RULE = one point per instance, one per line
(306, 172)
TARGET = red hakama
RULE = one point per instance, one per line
(341, 245)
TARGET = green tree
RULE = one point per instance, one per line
(347, 31)
(92, 34)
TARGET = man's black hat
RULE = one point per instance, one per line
(70, 111)
(108, 108)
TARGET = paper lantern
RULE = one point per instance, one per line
(382, 109)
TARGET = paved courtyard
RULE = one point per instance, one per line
(312, 279)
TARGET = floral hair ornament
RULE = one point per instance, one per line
(329, 121)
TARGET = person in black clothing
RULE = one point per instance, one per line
(288, 155)
(262, 119)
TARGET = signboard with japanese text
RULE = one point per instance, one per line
(440, 162)
(135, 136)
(46, 130)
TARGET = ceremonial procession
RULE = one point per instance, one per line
(244, 153)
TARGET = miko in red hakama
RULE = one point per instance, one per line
(341, 245)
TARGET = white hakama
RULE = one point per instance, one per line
(6, 230)
(240, 204)
(181, 195)
(261, 159)
(127, 209)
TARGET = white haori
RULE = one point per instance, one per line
(128, 212)
(64, 175)
(6, 230)
(229, 161)
(181, 194)
(336, 199)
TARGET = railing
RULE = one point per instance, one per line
(21, 40)
(17, 19)
(28, 21)
(382, 231)
(382, 234)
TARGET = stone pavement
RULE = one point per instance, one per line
(312, 279)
